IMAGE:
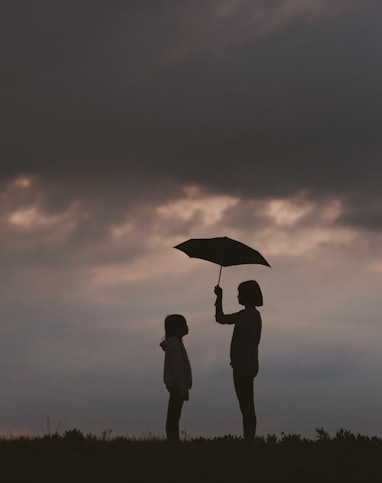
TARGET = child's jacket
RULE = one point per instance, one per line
(177, 368)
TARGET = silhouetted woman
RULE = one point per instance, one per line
(244, 347)
(177, 372)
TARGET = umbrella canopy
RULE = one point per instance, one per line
(223, 251)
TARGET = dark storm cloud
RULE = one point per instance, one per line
(256, 98)
(69, 225)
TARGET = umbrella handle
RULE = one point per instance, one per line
(220, 274)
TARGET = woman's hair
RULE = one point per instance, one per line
(250, 292)
(175, 325)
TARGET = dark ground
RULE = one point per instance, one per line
(75, 458)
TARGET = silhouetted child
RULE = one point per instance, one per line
(244, 347)
(177, 372)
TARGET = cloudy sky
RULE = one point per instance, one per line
(131, 126)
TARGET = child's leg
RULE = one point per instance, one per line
(244, 390)
(174, 410)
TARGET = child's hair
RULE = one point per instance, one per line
(251, 293)
(175, 325)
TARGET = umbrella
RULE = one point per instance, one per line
(223, 251)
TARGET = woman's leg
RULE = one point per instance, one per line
(243, 382)
(174, 411)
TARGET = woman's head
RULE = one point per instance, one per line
(175, 325)
(250, 294)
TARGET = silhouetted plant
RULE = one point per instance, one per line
(322, 435)
(344, 435)
(292, 438)
(74, 435)
(106, 434)
(91, 437)
(48, 433)
(271, 439)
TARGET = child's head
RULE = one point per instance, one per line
(250, 294)
(175, 325)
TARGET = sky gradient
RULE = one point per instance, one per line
(129, 127)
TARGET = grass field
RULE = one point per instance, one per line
(74, 457)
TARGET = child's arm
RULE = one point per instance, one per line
(179, 369)
(219, 315)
